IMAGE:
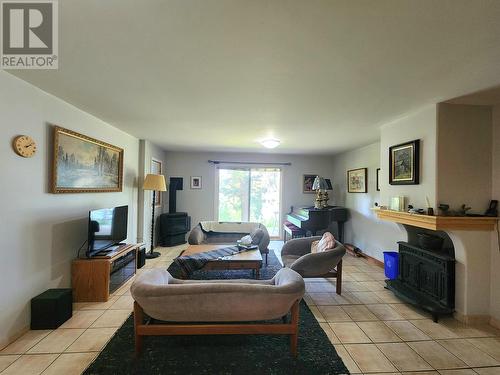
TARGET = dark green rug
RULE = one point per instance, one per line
(224, 354)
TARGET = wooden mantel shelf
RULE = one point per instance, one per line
(438, 222)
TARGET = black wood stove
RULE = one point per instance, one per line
(426, 279)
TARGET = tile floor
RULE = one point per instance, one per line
(373, 331)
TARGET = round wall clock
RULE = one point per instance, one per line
(24, 146)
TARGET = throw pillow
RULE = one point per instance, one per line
(257, 236)
(327, 242)
(314, 246)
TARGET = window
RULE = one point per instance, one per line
(250, 194)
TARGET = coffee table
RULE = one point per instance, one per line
(250, 259)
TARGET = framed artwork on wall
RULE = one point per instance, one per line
(356, 180)
(404, 163)
(307, 183)
(81, 164)
(195, 182)
(156, 168)
(378, 179)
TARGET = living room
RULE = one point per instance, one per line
(194, 91)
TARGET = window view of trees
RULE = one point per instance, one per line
(251, 194)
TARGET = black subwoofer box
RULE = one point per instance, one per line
(141, 257)
(51, 308)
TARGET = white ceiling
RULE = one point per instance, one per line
(321, 75)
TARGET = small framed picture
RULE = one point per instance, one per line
(356, 180)
(307, 183)
(378, 179)
(404, 163)
(195, 182)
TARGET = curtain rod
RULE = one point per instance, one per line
(245, 162)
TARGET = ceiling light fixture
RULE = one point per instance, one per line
(270, 143)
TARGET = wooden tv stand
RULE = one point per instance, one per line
(91, 278)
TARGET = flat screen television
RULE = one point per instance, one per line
(107, 227)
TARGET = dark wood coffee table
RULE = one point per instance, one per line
(250, 259)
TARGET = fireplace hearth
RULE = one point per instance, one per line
(426, 279)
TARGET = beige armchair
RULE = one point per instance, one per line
(296, 255)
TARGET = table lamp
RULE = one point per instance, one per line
(320, 186)
(155, 182)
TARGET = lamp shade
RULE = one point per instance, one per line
(154, 182)
(319, 184)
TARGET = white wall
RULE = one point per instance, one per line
(464, 156)
(41, 232)
(419, 125)
(495, 246)
(148, 151)
(363, 229)
(199, 204)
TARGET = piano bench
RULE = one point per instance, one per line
(293, 230)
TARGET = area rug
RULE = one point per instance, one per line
(224, 354)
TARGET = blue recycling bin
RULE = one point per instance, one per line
(391, 264)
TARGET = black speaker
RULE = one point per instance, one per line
(51, 308)
(141, 257)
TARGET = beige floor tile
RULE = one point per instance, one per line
(467, 331)
(377, 276)
(111, 318)
(7, 360)
(70, 364)
(369, 358)
(378, 332)
(359, 313)
(373, 286)
(92, 340)
(468, 353)
(317, 314)
(347, 359)
(57, 341)
(420, 373)
(30, 364)
(407, 331)
(25, 342)
(82, 319)
(458, 372)
(367, 297)
(346, 298)
(361, 276)
(434, 330)
(488, 370)
(385, 312)
(404, 357)
(322, 298)
(334, 314)
(308, 300)
(124, 302)
(437, 356)
(354, 286)
(329, 332)
(349, 333)
(410, 312)
(388, 297)
(490, 346)
(95, 305)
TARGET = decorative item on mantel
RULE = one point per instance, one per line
(320, 186)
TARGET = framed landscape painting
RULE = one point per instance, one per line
(356, 180)
(85, 165)
(404, 163)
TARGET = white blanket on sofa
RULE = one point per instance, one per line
(225, 227)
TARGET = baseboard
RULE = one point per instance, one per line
(472, 319)
(14, 337)
(374, 261)
(495, 323)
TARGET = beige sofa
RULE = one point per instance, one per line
(165, 298)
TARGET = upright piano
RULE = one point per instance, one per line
(311, 220)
